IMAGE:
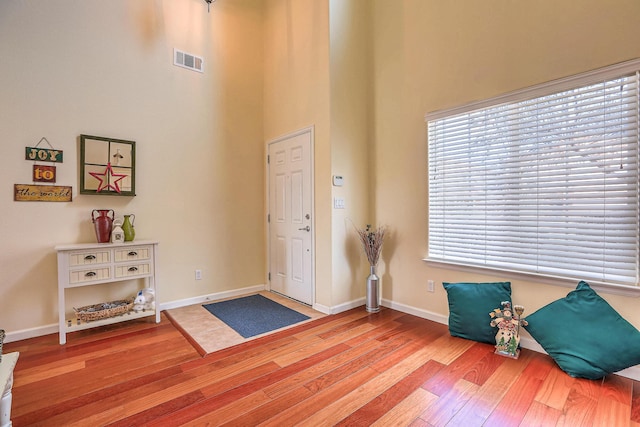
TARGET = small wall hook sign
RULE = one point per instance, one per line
(43, 154)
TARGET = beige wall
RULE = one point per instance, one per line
(318, 73)
(352, 147)
(363, 73)
(296, 96)
(431, 55)
(105, 68)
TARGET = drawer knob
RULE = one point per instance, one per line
(133, 268)
(132, 253)
(90, 257)
(89, 274)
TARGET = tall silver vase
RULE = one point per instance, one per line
(373, 290)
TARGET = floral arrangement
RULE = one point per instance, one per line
(372, 240)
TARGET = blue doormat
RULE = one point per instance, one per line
(254, 315)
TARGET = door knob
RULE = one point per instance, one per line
(307, 228)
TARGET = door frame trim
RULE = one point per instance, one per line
(311, 131)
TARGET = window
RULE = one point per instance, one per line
(541, 181)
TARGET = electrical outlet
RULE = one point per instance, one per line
(430, 286)
(198, 274)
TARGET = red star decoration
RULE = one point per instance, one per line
(107, 180)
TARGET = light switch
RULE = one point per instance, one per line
(338, 203)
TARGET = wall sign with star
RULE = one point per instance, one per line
(107, 166)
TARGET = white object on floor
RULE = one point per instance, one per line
(7, 364)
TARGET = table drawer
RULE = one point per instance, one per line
(131, 270)
(132, 254)
(89, 258)
(82, 276)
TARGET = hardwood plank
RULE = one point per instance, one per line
(407, 411)
(461, 366)
(50, 405)
(489, 395)
(59, 388)
(65, 394)
(109, 346)
(540, 415)
(512, 408)
(555, 389)
(406, 324)
(253, 417)
(611, 412)
(286, 371)
(635, 403)
(297, 380)
(484, 368)
(450, 348)
(224, 414)
(376, 332)
(346, 327)
(382, 403)
(311, 348)
(221, 394)
(226, 390)
(298, 413)
(400, 354)
(46, 372)
(344, 406)
(579, 409)
(354, 368)
(450, 403)
(617, 388)
(419, 422)
(157, 411)
(330, 322)
(354, 365)
(240, 353)
(588, 388)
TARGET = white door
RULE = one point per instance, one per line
(290, 216)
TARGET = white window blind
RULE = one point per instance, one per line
(547, 185)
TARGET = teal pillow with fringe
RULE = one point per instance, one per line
(470, 305)
(584, 335)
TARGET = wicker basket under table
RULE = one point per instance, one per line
(103, 310)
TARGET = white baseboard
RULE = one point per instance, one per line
(526, 342)
(24, 334)
(425, 314)
(342, 307)
(322, 308)
(203, 299)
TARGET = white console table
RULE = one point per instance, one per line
(93, 264)
(7, 364)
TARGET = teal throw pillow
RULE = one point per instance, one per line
(469, 308)
(584, 335)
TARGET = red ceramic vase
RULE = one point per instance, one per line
(103, 224)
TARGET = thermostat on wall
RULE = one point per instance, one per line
(337, 180)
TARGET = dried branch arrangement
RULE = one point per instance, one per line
(372, 240)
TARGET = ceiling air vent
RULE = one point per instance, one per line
(187, 60)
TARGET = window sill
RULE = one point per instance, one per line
(624, 290)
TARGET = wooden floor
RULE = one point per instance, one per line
(354, 369)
